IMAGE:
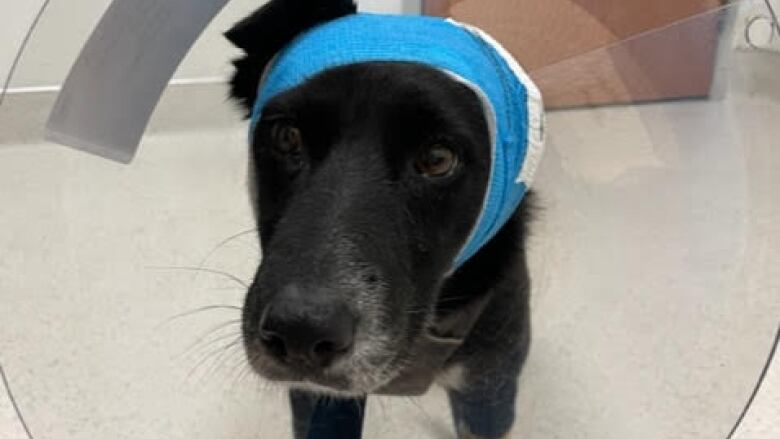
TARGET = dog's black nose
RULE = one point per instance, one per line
(308, 330)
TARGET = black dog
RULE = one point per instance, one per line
(367, 179)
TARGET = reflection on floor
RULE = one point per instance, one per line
(11, 426)
(761, 419)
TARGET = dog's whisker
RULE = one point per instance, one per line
(201, 361)
(212, 355)
(196, 311)
(247, 371)
(225, 274)
(232, 365)
(260, 385)
(210, 343)
(421, 309)
(224, 365)
(225, 242)
(229, 362)
(244, 370)
(227, 352)
(202, 338)
(230, 288)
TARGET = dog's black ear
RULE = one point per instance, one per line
(268, 30)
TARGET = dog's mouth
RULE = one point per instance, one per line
(299, 377)
(365, 369)
(326, 382)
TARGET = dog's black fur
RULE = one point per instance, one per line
(349, 219)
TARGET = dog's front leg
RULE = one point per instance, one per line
(482, 396)
(484, 410)
(320, 417)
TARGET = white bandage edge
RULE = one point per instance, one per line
(536, 134)
(491, 121)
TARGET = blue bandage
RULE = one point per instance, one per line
(512, 103)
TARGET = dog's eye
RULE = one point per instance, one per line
(287, 138)
(436, 161)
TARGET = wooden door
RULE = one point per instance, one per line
(589, 52)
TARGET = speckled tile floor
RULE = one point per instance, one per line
(654, 258)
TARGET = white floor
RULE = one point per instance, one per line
(656, 299)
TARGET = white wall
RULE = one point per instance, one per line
(67, 24)
(390, 6)
(17, 17)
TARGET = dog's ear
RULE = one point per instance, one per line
(268, 30)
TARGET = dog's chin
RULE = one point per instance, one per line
(322, 390)
(340, 382)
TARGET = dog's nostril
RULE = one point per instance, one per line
(274, 343)
(307, 333)
(324, 352)
(324, 349)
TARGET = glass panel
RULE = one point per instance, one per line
(654, 257)
(657, 294)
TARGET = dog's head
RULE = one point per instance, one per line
(368, 178)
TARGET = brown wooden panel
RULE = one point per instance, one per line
(672, 64)
(541, 33)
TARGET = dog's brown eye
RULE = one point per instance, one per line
(287, 138)
(436, 161)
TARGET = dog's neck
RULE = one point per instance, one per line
(487, 268)
(464, 298)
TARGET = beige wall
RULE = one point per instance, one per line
(16, 19)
